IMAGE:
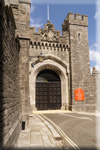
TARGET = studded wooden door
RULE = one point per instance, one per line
(48, 95)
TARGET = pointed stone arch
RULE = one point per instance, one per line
(58, 68)
(56, 59)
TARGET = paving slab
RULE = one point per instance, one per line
(39, 135)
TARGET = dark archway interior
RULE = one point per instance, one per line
(48, 90)
(47, 76)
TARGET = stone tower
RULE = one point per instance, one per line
(79, 61)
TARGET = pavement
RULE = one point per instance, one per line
(41, 134)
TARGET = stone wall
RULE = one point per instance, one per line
(10, 110)
(49, 51)
(96, 87)
(21, 11)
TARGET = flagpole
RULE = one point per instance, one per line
(48, 11)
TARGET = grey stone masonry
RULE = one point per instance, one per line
(10, 109)
(80, 76)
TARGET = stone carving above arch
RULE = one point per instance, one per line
(49, 34)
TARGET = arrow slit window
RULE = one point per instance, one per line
(78, 37)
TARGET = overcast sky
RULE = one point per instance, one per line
(58, 11)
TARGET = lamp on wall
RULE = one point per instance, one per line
(32, 65)
(41, 57)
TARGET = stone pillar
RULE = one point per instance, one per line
(96, 87)
(24, 79)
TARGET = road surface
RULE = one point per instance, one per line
(80, 128)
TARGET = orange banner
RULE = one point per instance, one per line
(79, 95)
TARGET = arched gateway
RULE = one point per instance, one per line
(48, 90)
(48, 86)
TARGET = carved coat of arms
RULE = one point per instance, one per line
(49, 34)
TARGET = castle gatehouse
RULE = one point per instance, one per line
(42, 70)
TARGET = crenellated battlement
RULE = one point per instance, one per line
(75, 20)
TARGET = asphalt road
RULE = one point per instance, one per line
(81, 129)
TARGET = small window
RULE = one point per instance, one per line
(78, 37)
(23, 125)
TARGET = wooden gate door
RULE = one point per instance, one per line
(48, 95)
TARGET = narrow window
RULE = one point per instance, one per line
(78, 37)
(23, 125)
